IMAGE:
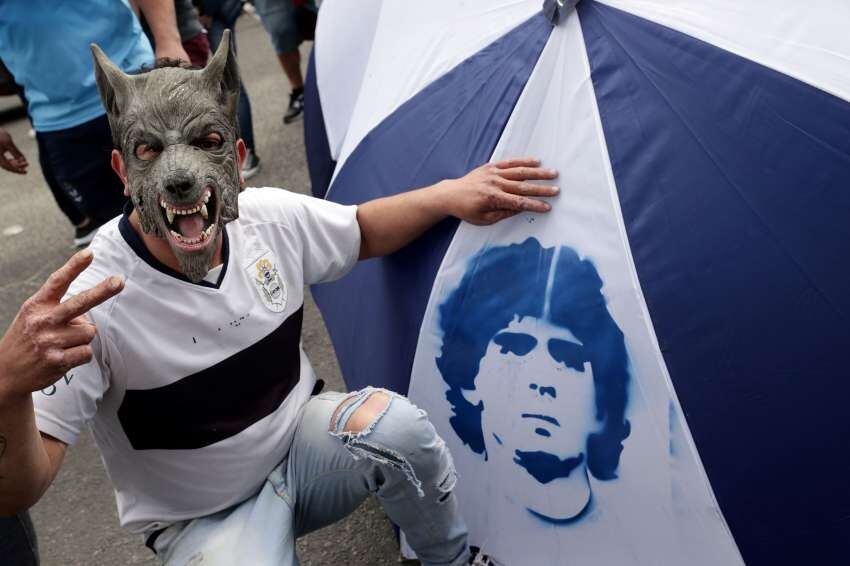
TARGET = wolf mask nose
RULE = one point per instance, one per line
(179, 184)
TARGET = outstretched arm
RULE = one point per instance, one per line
(486, 195)
(46, 339)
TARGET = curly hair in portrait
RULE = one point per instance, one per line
(511, 281)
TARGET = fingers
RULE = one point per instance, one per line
(15, 152)
(80, 321)
(57, 284)
(498, 216)
(499, 190)
(522, 204)
(527, 173)
(13, 165)
(73, 336)
(523, 169)
(19, 166)
(517, 162)
(6, 164)
(523, 188)
(83, 302)
(11, 158)
(76, 356)
(171, 50)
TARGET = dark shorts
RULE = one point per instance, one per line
(278, 17)
(80, 161)
(18, 546)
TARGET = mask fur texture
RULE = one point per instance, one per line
(174, 111)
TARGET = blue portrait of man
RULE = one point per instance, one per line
(537, 374)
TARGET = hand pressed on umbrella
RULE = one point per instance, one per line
(496, 191)
(485, 195)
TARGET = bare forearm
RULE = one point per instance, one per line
(388, 224)
(163, 23)
(24, 461)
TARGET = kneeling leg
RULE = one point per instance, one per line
(393, 450)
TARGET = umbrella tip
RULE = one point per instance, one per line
(556, 11)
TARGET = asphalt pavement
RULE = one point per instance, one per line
(76, 520)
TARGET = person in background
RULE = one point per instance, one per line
(281, 20)
(193, 37)
(68, 117)
(14, 161)
(217, 16)
(192, 33)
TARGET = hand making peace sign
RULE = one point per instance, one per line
(49, 337)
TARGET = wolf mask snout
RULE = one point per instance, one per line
(179, 185)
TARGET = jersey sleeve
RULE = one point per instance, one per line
(329, 232)
(331, 239)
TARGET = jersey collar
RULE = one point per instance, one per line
(138, 246)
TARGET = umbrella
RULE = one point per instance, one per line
(656, 371)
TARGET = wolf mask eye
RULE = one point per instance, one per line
(209, 142)
(148, 151)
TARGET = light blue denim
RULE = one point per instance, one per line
(326, 475)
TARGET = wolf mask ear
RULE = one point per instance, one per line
(221, 75)
(112, 83)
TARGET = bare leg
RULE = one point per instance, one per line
(291, 63)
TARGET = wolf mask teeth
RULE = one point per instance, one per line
(177, 132)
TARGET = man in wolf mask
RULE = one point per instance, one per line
(178, 341)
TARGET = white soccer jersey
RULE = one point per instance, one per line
(194, 389)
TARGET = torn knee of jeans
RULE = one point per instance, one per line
(447, 484)
(360, 448)
(355, 418)
(448, 480)
(358, 413)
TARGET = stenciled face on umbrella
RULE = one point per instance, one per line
(177, 132)
(542, 426)
(538, 375)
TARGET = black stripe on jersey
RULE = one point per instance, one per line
(220, 401)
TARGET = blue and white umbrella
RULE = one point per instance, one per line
(657, 371)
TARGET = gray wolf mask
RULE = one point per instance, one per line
(176, 130)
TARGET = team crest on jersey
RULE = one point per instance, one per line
(270, 286)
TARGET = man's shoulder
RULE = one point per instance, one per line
(258, 195)
(109, 245)
(269, 204)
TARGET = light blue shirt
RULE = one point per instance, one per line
(45, 45)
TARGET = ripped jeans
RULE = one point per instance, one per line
(327, 474)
